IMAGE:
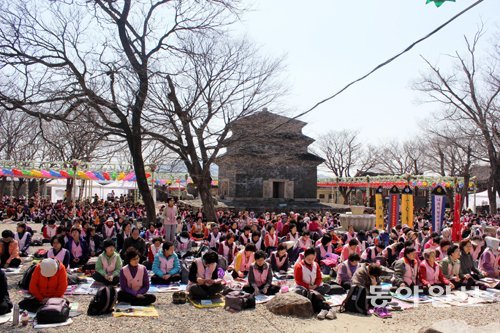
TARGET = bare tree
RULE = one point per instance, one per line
(395, 158)
(219, 82)
(58, 58)
(469, 97)
(343, 154)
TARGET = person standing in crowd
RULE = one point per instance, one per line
(169, 220)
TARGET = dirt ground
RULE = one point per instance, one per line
(185, 318)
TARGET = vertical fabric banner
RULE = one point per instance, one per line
(407, 207)
(438, 207)
(456, 234)
(393, 209)
(379, 209)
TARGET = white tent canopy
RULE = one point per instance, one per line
(481, 199)
(102, 189)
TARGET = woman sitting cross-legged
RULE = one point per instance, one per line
(204, 281)
(108, 265)
(166, 266)
(134, 281)
(307, 273)
(58, 251)
(260, 277)
(430, 274)
(78, 249)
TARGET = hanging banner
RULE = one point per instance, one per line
(456, 234)
(438, 207)
(379, 208)
(407, 207)
(393, 209)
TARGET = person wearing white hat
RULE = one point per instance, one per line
(49, 280)
(488, 263)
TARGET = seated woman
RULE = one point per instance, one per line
(49, 231)
(125, 233)
(199, 231)
(166, 266)
(242, 261)
(279, 259)
(214, 237)
(5, 303)
(367, 275)
(430, 274)
(109, 229)
(442, 250)
(94, 241)
(9, 250)
(371, 253)
(302, 244)
(450, 266)
(246, 235)
(134, 281)
(183, 245)
(488, 262)
(406, 269)
(49, 279)
(23, 238)
(324, 249)
(351, 247)
(260, 277)
(153, 249)
(307, 273)
(271, 239)
(257, 241)
(204, 281)
(151, 234)
(57, 251)
(346, 271)
(467, 267)
(391, 252)
(78, 249)
(292, 235)
(108, 265)
(228, 248)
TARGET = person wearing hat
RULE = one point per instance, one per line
(488, 263)
(108, 265)
(9, 250)
(49, 280)
(109, 229)
(166, 266)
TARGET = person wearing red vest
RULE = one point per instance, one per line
(204, 280)
(430, 274)
(108, 265)
(49, 279)
(307, 273)
(134, 281)
(260, 277)
(166, 266)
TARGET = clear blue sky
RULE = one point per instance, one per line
(328, 43)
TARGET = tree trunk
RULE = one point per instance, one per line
(2, 185)
(345, 194)
(204, 186)
(135, 147)
(69, 190)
